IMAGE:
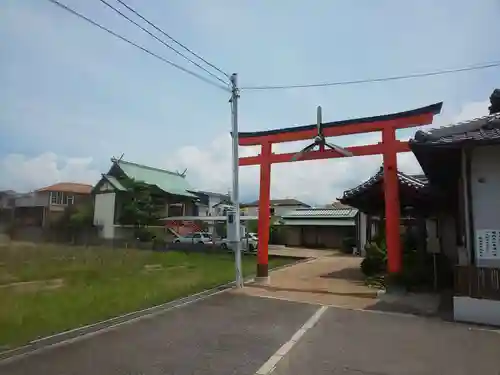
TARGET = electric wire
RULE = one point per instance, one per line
(372, 80)
(162, 41)
(171, 38)
(116, 35)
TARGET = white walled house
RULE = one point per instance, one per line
(462, 163)
(278, 207)
(209, 203)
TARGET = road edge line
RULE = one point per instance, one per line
(271, 363)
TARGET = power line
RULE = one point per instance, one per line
(163, 42)
(116, 35)
(171, 38)
(372, 80)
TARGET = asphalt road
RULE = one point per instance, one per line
(224, 334)
(368, 343)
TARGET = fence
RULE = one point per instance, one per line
(477, 282)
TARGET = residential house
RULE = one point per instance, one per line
(320, 227)
(44, 206)
(110, 193)
(210, 203)
(7, 199)
(462, 164)
(277, 207)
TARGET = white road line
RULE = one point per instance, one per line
(271, 363)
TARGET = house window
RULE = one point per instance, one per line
(58, 197)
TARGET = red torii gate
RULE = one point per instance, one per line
(389, 147)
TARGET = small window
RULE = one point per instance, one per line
(58, 197)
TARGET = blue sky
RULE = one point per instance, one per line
(73, 96)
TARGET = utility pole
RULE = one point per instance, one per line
(235, 193)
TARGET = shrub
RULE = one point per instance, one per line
(143, 234)
(159, 243)
(375, 260)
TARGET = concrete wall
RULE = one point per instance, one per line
(33, 200)
(292, 236)
(485, 186)
(329, 237)
(473, 310)
(104, 214)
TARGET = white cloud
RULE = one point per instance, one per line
(209, 168)
(472, 110)
(21, 173)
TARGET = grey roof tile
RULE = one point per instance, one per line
(328, 213)
(416, 181)
(482, 129)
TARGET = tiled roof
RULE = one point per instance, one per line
(416, 181)
(68, 187)
(483, 129)
(327, 213)
(279, 202)
(169, 182)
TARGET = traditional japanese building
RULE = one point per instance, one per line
(462, 163)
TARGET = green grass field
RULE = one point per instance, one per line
(92, 284)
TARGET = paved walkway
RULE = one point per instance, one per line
(328, 279)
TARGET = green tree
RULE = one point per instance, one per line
(82, 216)
(142, 207)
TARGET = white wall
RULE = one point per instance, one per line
(278, 211)
(104, 214)
(485, 186)
(482, 311)
(212, 201)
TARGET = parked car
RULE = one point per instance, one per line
(197, 237)
(248, 243)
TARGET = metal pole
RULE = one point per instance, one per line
(235, 198)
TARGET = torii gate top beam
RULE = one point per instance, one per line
(400, 120)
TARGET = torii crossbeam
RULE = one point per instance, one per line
(389, 148)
